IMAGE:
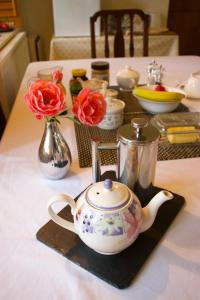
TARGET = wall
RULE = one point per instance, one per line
(37, 18)
(66, 11)
(158, 6)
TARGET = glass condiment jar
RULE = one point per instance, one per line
(75, 84)
(48, 74)
(154, 73)
(100, 70)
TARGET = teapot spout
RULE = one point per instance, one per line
(150, 211)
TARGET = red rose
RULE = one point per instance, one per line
(57, 76)
(89, 107)
(45, 98)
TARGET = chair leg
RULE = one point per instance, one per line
(37, 50)
(2, 122)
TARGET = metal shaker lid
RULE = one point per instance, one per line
(139, 131)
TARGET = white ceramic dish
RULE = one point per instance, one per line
(155, 107)
(114, 114)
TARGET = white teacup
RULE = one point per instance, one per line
(47, 73)
(192, 86)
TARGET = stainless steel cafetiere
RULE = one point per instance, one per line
(136, 146)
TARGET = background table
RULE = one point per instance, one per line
(31, 270)
(79, 47)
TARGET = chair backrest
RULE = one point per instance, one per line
(117, 17)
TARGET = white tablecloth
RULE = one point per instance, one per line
(79, 47)
(31, 270)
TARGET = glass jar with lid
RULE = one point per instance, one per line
(75, 84)
(49, 73)
(100, 70)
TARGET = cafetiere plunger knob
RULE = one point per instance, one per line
(138, 124)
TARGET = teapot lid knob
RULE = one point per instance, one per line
(108, 184)
(108, 195)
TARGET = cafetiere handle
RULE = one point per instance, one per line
(96, 160)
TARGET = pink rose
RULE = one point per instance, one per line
(57, 76)
(45, 98)
(89, 107)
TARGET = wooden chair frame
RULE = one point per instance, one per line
(119, 44)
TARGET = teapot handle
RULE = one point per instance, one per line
(57, 219)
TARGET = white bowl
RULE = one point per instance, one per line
(155, 107)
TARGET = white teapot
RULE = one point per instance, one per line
(127, 78)
(192, 86)
(108, 216)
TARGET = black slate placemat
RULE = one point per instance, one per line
(118, 270)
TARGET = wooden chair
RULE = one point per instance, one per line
(2, 122)
(117, 16)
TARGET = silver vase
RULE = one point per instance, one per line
(54, 153)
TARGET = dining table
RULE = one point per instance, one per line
(32, 270)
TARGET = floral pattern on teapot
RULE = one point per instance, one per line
(109, 224)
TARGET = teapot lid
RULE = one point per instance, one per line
(140, 131)
(108, 195)
(128, 71)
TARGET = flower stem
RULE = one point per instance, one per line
(74, 119)
(52, 119)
